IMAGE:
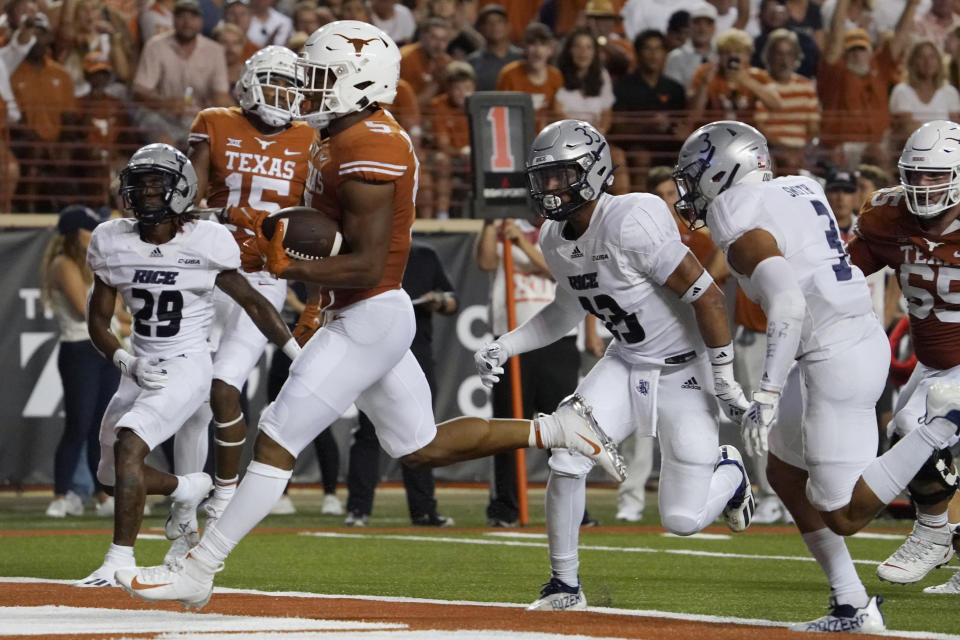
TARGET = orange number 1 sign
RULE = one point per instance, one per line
(502, 157)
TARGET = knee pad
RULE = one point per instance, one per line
(679, 523)
(936, 480)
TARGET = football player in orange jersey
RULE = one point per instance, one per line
(248, 157)
(364, 173)
(915, 229)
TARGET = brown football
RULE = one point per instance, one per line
(309, 234)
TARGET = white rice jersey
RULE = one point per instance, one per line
(168, 287)
(794, 210)
(616, 271)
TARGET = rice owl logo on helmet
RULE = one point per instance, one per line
(569, 166)
(347, 65)
(158, 182)
(930, 168)
(714, 158)
(268, 86)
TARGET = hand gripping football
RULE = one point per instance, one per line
(309, 234)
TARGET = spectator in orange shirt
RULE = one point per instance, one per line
(794, 127)
(451, 135)
(104, 126)
(44, 92)
(854, 82)
(533, 74)
(616, 52)
(730, 89)
(423, 62)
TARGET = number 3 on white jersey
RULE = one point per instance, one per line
(258, 184)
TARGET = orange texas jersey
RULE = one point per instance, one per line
(927, 266)
(248, 168)
(375, 149)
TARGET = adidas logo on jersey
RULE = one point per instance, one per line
(576, 252)
(156, 253)
(691, 384)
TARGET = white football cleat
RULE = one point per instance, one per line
(845, 618)
(557, 595)
(103, 576)
(951, 586)
(580, 432)
(924, 550)
(187, 581)
(740, 508)
(331, 505)
(180, 547)
(629, 514)
(183, 512)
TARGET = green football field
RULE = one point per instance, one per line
(764, 573)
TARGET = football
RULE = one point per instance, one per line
(309, 234)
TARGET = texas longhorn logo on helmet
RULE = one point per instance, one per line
(358, 43)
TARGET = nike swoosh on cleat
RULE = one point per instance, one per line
(596, 447)
(136, 584)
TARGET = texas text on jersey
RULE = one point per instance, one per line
(375, 149)
(168, 287)
(249, 168)
(927, 266)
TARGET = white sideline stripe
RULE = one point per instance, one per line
(53, 620)
(436, 634)
(865, 535)
(583, 547)
(698, 536)
(666, 615)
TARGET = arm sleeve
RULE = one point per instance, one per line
(650, 240)
(548, 325)
(784, 304)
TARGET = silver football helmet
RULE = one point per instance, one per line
(346, 65)
(158, 182)
(569, 165)
(268, 85)
(714, 158)
(930, 168)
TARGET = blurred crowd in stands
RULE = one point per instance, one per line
(833, 84)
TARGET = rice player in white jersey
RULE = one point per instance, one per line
(165, 265)
(781, 241)
(620, 258)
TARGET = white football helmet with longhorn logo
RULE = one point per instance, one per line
(347, 66)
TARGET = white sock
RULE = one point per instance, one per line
(260, 489)
(724, 483)
(889, 474)
(183, 485)
(932, 520)
(119, 556)
(830, 552)
(224, 489)
(564, 502)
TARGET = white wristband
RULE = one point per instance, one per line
(123, 361)
(291, 349)
(721, 355)
(698, 288)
